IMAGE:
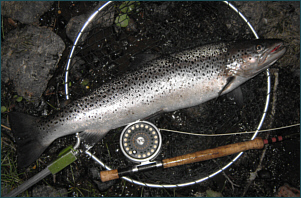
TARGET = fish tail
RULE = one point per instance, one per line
(27, 137)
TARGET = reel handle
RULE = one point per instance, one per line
(198, 156)
(120, 172)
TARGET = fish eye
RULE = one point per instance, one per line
(259, 47)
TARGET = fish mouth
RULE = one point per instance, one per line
(272, 54)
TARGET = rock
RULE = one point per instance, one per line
(48, 191)
(264, 174)
(74, 25)
(26, 12)
(288, 191)
(29, 56)
(103, 186)
(105, 19)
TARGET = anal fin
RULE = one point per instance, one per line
(153, 115)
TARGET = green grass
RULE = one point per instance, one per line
(10, 178)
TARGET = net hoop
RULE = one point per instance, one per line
(179, 184)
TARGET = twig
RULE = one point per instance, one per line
(226, 176)
(253, 175)
(231, 182)
(5, 127)
(274, 93)
(5, 141)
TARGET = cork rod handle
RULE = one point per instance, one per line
(109, 175)
(213, 153)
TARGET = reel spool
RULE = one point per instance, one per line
(141, 141)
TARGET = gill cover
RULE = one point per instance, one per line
(248, 58)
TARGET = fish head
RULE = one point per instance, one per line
(248, 58)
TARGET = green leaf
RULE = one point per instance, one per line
(122, 20)
(15, 96)
(3, 109)
(19, 99)
(84, 82)
(69, 84)
(128, 6)
(211, 193)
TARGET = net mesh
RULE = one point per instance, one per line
(122, 30)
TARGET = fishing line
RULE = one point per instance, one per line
(224, 134)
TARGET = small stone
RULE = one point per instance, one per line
(26, 12)
(104, 19)
(74, 25)
(48, 191)
(288, 191)
(103, 186)
(264, 174)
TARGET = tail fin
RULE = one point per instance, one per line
(27, 136)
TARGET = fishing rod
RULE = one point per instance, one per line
(221, 151)
(142, 133)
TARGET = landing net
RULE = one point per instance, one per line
(107, 44)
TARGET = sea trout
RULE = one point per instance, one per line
(165, 84)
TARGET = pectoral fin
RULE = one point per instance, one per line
(229, 81)
(90, 137)
(237, 96)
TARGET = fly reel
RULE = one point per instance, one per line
(141, 141)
